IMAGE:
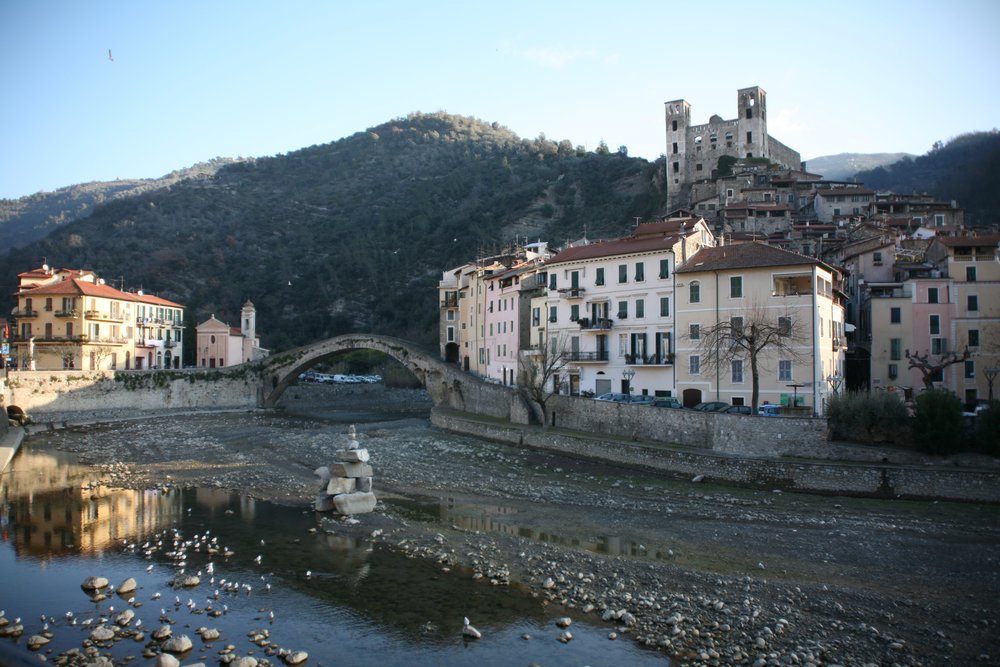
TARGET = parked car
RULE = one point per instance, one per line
(769, 410)
(738, 410)
(711, 406)
(641, 399)
(667, 403)
(616, 398)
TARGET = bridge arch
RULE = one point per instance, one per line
(448, 386)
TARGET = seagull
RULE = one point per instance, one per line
(257, 560)
(110, 57)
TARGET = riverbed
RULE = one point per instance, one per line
(700, 573)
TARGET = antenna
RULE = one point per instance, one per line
(638, 220)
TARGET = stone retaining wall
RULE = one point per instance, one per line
(41, 392)
(835, 478)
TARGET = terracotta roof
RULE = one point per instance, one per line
(839, 192)
(984, 240)
(743, 255)
(76, 286)
(623, 246)
(155, 300)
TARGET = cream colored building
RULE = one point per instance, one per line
(221, 345)
(745, 282)
(71, 319)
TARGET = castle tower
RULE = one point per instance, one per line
(751, 114)
(678, 117)
(248, 320)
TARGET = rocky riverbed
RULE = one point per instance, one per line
(706, 574)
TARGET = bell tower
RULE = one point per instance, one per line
(751, 110)
(248, 320)
(678, 117)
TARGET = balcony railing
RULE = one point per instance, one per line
(25, 313)
(572, 292)
(666, 359)
(577, 355)
(449, 302)
(99, 315)
(68, 313)
(600, 324)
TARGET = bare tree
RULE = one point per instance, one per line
(752, 335)
(538, 368)
(66, 353)
(931, 365)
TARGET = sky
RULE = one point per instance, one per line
(191, 80)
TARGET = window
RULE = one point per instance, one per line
(937, 376)
(552, 281)
(694, 292)
(552, 313)
(736, 327)
(694, 364)
(48, 304)
(970, 369)
(673, 125)
(640, 271)
(451, 334)
(536, 316)
(970, 274)
(939, 220)
(895, 349)
(877, 259)
(695, 332)
(664, 306)
(935, 325)
(973, 302)
(599, 279)
(664, 268)
(932, 295)
(784, 326)
(895, 316)
(749, 137)
(574, 313)
(622, 310)
(973, 337)
(939, 346)
(623, 273)
(451, 315)
(677, 167)
(736, 287)
(749, 116)
(729, 193)
(675, 148)
(784, 370)
(697, 167)
(737, 370)
(893, 371)
(640, 308)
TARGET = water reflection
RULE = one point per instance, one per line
(331, 594)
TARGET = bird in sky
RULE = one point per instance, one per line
(110, 57)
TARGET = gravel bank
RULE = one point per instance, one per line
(708, 575)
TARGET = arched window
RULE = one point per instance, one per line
(694, 292)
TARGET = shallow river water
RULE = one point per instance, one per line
(343, 599)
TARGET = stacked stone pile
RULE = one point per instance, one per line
(346, 485)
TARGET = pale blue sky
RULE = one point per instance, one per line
(193, 80)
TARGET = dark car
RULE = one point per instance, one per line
(711, 406)
(667, 403)
(738, 410)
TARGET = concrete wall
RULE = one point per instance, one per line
(738, 434)
(48, 392)
(824, 477)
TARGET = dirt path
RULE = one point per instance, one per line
(709, 575)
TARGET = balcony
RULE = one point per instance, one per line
(572, 293)
(664, 359)
(99, 315)
(24, 313)
(68, 313)
(450, 301)
(577, 355)
(600, 324)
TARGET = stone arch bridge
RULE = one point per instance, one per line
(447, 384)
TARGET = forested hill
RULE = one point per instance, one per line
(966, 169)
(34, 217)
(351, 235)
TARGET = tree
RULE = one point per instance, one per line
(932, 368)
(753, 335)
(66, 353)
(537, 371)
(602, 148)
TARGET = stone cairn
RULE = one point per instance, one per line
(346, 485)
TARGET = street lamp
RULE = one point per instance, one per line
(991, 374)
(628, 374)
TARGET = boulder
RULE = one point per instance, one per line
(94, 583)
(166, 660)
(179, 644)
(354, 503)
(322, 477)
(102, 633)
(323, 503)
(340, 485)
(125, 617)
(351, 470)
(352, 455)
(127, 586)
(296, 658)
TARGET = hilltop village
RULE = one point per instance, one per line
(765, 281)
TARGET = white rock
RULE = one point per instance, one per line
(244, 662)
(166, 660)
(322, 476)
(351, 470)
(127, 586)
(35, 642)
(179, 644)
(352, 455)
(566, 637)
(564, 622)
(125, 617)
(354, 503)
(162, 632)
(102, 633)
(296, 657)
(209, 634)
(338, 485)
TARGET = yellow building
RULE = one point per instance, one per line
(70, 319)
(738, 285)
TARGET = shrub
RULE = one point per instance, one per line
(867, 417)
(937, 425)
(988, 430)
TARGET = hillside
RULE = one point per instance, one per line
(966, 169)
(351, 235)
(34, 217)
(844, 166)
